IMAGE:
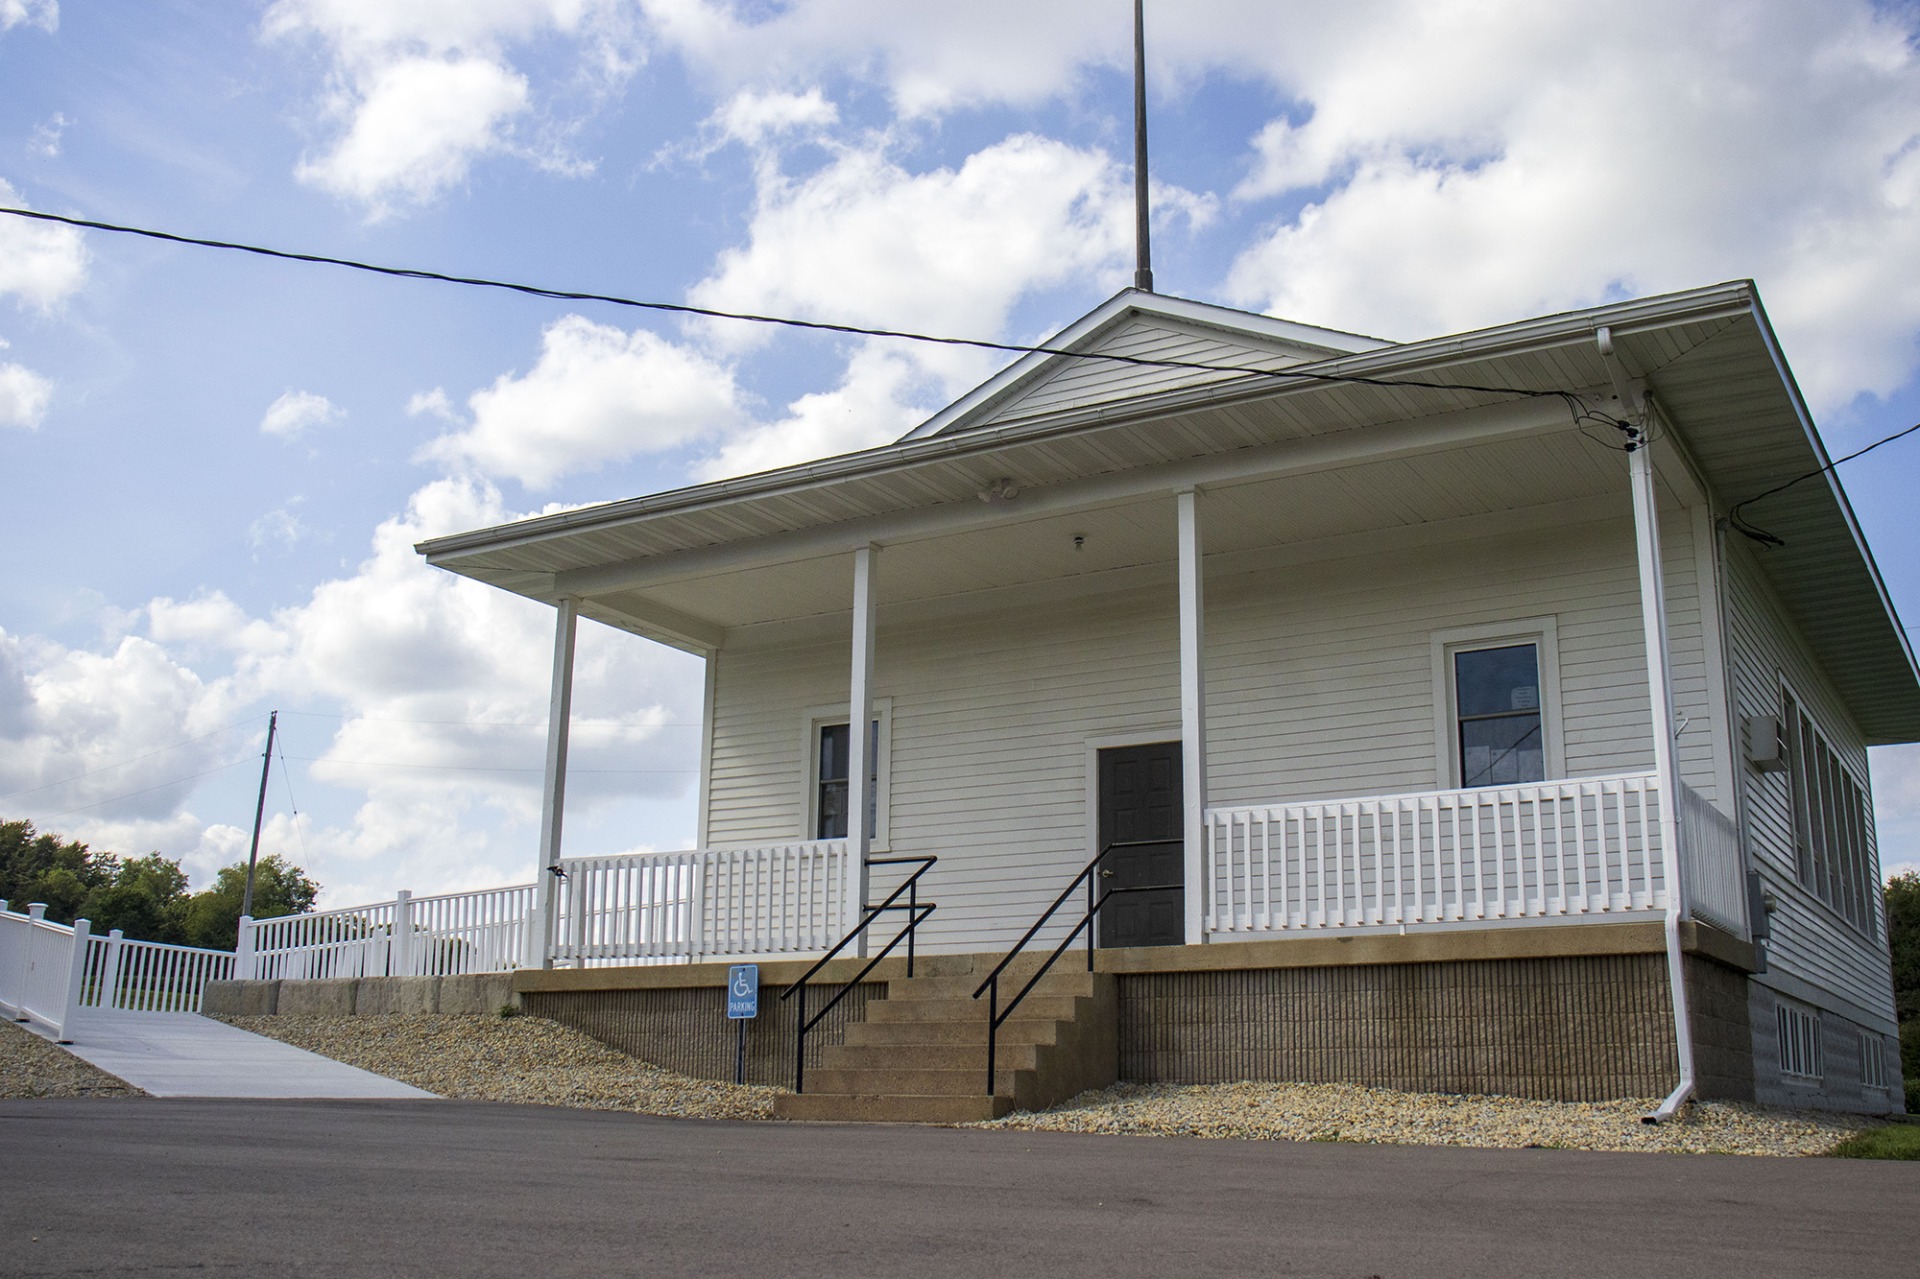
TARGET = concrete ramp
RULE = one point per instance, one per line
(187, 1055)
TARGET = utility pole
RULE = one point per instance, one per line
(259, 810)
(1143, 250)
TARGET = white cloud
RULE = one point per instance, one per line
(440, 685)
(1452, 184)
(873, 405)
(45, 141)
(44, 14)
(432, 402)
(1896, 807)
(105, 735)
(597, 394)
(931, 57)
(753, 118)
(23, 395)
(417, 126)
(40, 262)
(278, 527)
(865, 241)
(423, 90)
(297, 412)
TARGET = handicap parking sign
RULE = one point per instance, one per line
(743, 991)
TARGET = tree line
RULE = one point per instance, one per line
(1903, 939)
(146, 898)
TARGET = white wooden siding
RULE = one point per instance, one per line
(1319, 684)
(1810, 940)
(1069, 383)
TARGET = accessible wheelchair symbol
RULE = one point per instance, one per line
(743, 991)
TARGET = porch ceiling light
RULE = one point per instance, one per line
(1001, 490)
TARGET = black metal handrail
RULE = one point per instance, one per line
(917, 911)
(996, 1016)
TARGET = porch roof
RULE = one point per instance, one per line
(1709, 357)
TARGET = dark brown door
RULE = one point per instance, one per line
(1140, 807)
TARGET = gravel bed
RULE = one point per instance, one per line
(32, 1067)
(532, 1060)
(1349, 1112)
(518, 1059)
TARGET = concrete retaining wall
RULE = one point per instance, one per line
(361, 996)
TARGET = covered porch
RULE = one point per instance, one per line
(1161, 528)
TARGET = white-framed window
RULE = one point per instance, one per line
(827, 783)
(1799, 1030)
(1496, 695)
(1873, 1061)
(1832, 825)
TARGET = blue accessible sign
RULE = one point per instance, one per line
(743, 991)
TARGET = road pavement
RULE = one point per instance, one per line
(153, 1186)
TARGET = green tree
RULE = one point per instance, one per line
(1903, 939)
(146, 899)
(213, 916)
(43, 868)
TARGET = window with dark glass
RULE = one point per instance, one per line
(835, 752)
(1496, 697)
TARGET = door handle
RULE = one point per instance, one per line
(1106, 872)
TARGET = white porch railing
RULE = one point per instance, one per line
(743, 901)
(41, 967)
(1561, 850)
(440, 936)
(149, 977)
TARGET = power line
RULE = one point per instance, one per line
(498, 723)
(34, 790)
(487, 768)
(854, 330)
(1765, 538)
(147, 790)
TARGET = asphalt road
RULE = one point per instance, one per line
(159, 1187)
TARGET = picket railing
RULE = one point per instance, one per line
(1549, 850)
(1710, 865)
(440, 936)
(149, 977)
(41, 965)
(745, 901)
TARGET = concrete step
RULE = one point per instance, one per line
(1061, 981)
(869, 1109)
(1035, 1006)
(912, 1083)
(965, 1056)
(1019, 1030)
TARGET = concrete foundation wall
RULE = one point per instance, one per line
(1570, 1029)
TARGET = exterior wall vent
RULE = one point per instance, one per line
(1761, 734)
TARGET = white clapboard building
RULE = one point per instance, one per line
(1441, 713)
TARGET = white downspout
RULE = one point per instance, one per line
(553, 795)
(1653, 620)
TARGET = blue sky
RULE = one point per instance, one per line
(217, 465)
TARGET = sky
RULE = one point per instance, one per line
(216, 466)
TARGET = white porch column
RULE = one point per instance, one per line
(1193, 713)
(860, 739)
(554, 791)
(1653, 625)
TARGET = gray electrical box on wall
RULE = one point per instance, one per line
(1762, 734)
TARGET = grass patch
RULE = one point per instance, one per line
(1896, 1141)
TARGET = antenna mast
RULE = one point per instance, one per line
(1143, 265)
